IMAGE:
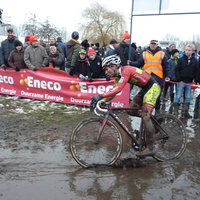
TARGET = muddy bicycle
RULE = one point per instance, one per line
(97, 141)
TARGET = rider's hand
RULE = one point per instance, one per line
(94, 101)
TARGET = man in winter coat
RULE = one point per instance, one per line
(154, 62)
(123, 50)
(112, 46)
(72, 50)
(168, 51)
(35, 55)
(6, 47)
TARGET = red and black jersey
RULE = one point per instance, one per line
(128, 74)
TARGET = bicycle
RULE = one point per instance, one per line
(97, 141)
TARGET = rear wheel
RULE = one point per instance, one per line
(90, 152)
(174, 137)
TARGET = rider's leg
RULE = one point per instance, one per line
(149, 131)
(148, 126)
(135, 104)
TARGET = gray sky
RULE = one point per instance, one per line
(67, 14)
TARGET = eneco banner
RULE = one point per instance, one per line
(55, 85)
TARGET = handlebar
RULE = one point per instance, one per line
(102, 109)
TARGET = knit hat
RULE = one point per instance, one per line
(33, 38)
(172, 43)
(91, 52)
(27, 38)
(17, 43)
(174, 51)
(97, 44)
(85, 43)
(82, 51)
(113, 41)
(126, 35)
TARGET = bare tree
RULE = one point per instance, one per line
(99, 24)
(64, 34)
(32, 25)
(47, 30)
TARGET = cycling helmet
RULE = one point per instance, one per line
(75, 35)
(111, 60)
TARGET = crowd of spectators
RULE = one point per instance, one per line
(84, 60)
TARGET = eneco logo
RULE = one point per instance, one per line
(32, 83)
(6, 79)
(91, 89)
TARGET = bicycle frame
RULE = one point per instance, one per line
(111, 113)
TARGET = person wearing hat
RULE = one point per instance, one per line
(94, 67)
(98, 50)
(27, 41)
(35, 55)
(85, 45)
(72, 52)
(7, 46)
(168, 51)
(111, 47)
(16, 57)
(81, 65)
(123, 50)
(154, 62)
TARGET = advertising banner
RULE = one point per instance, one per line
(55, 85)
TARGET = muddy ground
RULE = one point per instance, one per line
(35, 162)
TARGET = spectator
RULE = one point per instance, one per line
(123, 50)
(81, 65)
(134, 45)
(16, 57)
(72, 49)
(63, 46)
(85, 45)
(98, 50)
(35, 55)
(154, 62)
(42, 43)
(27, 41)
(92, 46)
(139, 51)
(186, 71)
(55, 58)
(112, 46)
(172, 65)
(168, 51)
(7, 46)
(103, 51)
(59, 49)
(94, 67)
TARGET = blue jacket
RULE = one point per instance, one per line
(63, 46)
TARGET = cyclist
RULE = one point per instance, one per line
(146, 98)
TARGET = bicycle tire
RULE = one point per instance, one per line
(89, 154)
(175, 145)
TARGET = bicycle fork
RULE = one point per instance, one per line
(101, 128)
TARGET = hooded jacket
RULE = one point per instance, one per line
(72, 50)
(123, 51)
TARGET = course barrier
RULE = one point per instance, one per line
(51, 84)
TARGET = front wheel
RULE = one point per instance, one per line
(173, 134)
(88, 150)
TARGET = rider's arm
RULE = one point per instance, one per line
(120, 83)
